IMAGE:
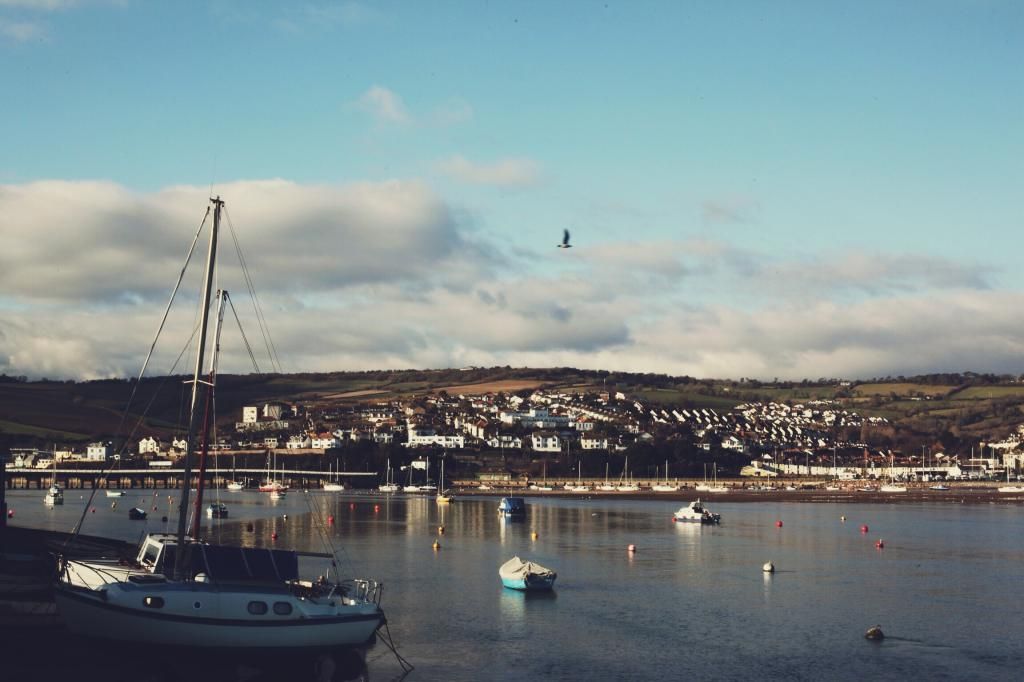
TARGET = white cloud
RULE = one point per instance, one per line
(389, 275)
(21, 31)
(385, 106)
(502, 173)
(39, 5)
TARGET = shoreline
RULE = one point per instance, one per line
(955, 495)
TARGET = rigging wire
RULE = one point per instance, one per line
(142, 373)
(163, 320)
(245, 339)
(260, 318)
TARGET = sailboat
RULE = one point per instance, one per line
(389, 485)
(579, 487)
(665, 487)
(715, 487)
(54, 495)
(273, 485)
(1010, 488)
(606, 487)
(234, 485)
(444, 496)
(892, 486)
(182, 591)
(543, 487)
(626, 484)
(336, 485)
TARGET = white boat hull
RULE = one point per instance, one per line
(221, 619)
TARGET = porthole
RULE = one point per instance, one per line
(197, 605)
(153, 602)
(257, 608)
(282, 608)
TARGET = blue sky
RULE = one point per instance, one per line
(754, 189)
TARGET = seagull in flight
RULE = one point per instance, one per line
(565, 240)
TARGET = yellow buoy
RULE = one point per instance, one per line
(437, 545)
(769, 567)
(533, 535)
(440, 530)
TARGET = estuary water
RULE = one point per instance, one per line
(690, 602)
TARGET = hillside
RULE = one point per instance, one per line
(952, 409)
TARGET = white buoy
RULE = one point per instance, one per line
(769, 567)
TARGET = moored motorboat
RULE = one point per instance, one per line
(517, 574)
(512, 506)
(695, 512)
(55, 495)
(235, 486)
(137, 514)
(217, 510)
(116, 493)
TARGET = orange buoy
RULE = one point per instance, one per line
(864, 528)
(533, 535)
(631, 549)
(778, 524)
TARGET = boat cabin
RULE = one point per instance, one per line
(219, 563)
(512, 506)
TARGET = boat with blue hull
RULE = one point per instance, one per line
(526, 576)
(512, 507)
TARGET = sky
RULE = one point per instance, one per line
(762, 190)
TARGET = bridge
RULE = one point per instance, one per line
(168, 478)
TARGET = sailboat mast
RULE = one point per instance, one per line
(205, 435)
(211, 258)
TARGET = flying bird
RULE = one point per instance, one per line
(565, 240)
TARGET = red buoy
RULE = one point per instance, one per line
(778, 524)
(880, 544)
(10, 513)
(631, 548)
(864, 528)
(330, 520)
(273, 536)
(352, 505)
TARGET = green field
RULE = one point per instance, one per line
(905, 389)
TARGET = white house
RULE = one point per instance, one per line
(506, 441)
(97, 452)
(545, 443)
(149, 445)
(593, 442)
(325, 441)
(583, 424)
(273, 410)
(250, 415)
(270, 442)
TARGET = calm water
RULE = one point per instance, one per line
(691, 601)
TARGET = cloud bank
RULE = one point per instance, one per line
(389, 275)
